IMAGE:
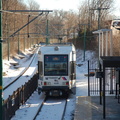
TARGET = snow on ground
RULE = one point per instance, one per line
(27, 111)
(11, 72)
(15, 65)
(82, 83)
(52, 109)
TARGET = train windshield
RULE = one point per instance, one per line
(55, 65)
(116, 23)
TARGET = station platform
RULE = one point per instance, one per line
(89, 108)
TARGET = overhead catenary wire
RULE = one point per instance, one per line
(42, 33)
(27, 12)
(31, 11)
(14, 11)
(11, 31)
(18, 13)
(12, 35)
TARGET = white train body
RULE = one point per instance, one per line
(115, 26)
(57, 69)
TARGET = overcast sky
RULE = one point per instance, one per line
(59, 4)
(68, 5)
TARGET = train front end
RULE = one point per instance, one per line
(54, 67)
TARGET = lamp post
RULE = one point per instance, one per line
(100, 33)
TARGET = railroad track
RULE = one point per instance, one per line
(24, 77)
(52, 108)
(33, 56)
(38, 107)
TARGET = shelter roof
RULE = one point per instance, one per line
(110, 61)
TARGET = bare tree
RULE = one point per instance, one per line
(101, 9)
(13, 22)
(93, 10)
(62, 23)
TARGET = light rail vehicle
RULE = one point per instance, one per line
(57, 69)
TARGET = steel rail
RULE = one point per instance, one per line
(41, 106)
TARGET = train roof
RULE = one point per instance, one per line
(59, 44)
(115, 20)
(57, 48)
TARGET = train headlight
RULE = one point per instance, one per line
(39, 52)
(48, 83)
(66, 83)
(39, 82)
(56, 48)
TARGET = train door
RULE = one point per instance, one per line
(73, 73)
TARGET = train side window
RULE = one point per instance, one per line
(40, 68)
(116, 24)
(72, 70)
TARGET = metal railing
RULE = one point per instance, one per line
(94, 83)
(18, 98)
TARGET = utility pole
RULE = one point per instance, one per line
(1, 86)
(18, 43)
(89, 14)
(28, 26)
(47, 33)
(99, 15)
(84, 39)
(8, 45)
